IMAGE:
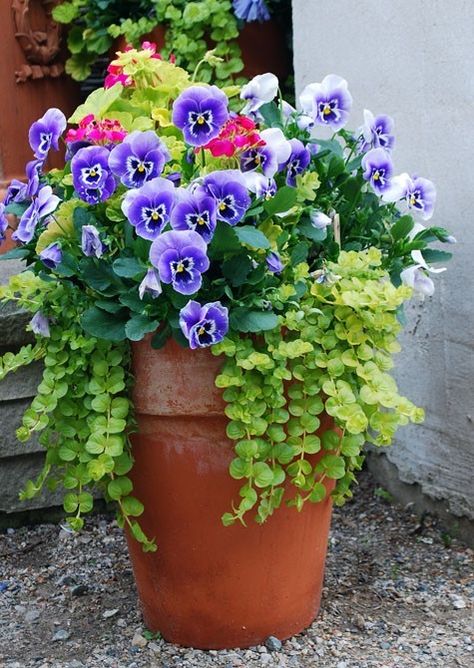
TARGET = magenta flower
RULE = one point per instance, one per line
(51, 256)
(328, 102)
(204, 326)
(200, 112)
(91, 175)
(139, 158)
(378, 169)
(46, 131)
(148, 208)
(228, 189)
(41, 207)
(195, 212)
(180, 257)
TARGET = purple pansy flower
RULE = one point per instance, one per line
(195, 212)
(376, 132)
(33, 173)
(91, 244)
(139, 158)
(200, 112)
(180, 257)
(328, 102)
(148, 208)
(261, 185)
(378, 169)
(16, 192)
(45, 132)
(39, 324)
(258, 91)
(251, 10)
(298, 161)
(3, 222)
(51, 256)
(41, 207)
(204, 326)
(91, 176)
(270, 157)
(150, 284)
(228, 189)
(417, 193)
(73, 147)
(274, 263)
(303, 121)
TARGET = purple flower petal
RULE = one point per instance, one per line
(274, 263)
(148, 208)
(200, 112)
(204, 326)
(150, 285)
(3, 222)
(195, 212)
(180, 257)
(378, 169)
(91, 176)
(51, 256)
(328, 102)
(45, 132)
(91, 243)
(228, 189)
(40, 325)
(139, 158)
(251, 10)
(41, 207)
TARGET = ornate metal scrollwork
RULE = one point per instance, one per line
(40, 47)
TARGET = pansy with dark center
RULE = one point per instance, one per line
(41, 207)
(46, 131)
(228, 189)
(328, 102)
(378, 169)
(258, 157)
(91, 176)
(148, 208)
(195, 212)
(298, 161)
(418, 194)
(260, 184)
(200, 112)
(139, 158)
(204, 326)
(376, 132)
(180, 257)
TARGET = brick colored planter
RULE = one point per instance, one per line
(210, 586)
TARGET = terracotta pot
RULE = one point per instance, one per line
(210, 586)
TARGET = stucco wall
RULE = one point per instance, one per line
(414, 59)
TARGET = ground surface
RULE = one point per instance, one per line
(398, 594)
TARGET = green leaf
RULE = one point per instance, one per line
(271, 114)
(333, 465)
(402, 227)
(237, 268)
(16, 208)
(103, 325)
(262, 474)
(239, 468)
(245, 320)
(299, 253)
(284, 199)
(247, 449)
(97, 103)
(70, 503)
(435, 255)
(119, 487)
(247, 234)
(310, 232)
(318, 493)
(132, 506)
(224, 241)
(227, 519)
(161, 337)
(138, 326)
(66, 12)
(15, 254)
(128, 267)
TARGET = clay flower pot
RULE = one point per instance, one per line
(210, 586)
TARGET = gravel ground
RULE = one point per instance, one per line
(398, 593)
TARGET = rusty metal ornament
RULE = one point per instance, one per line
(40, 47)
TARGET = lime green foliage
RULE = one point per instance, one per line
(81, 412)
(330, 354)
(191, 29)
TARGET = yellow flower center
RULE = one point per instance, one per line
(201, 221)
(222, 206)
(258, 160)
(412, 200)
(201, 120)
(93, 172)
(326, 110)
(201, 331)
(376, 176)
(179, 268)
(154, 216)
(141, 168)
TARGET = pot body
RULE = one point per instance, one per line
(210, 586)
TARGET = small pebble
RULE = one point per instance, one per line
(109, 613)
(139, 641)
(273, 644)
(60, 635)
(79, 590)
(32, 615)
(458, 602)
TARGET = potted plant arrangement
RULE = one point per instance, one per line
(183, 29)
(216, 295)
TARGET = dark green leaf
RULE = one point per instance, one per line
(310, 232)
(161, 337)
(103, 325)
(271, 115)
(16, 208)
(435, 255)
(128, 267)
(138, 326)
(82, 217)
(299, 253)
(224, 241)
(236, 269)
(245, 320)
(108, 305)
(247, 234)
(402, 227)
(331, 145)
(15, 254)
(284, 199)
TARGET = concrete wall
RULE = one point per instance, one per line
(414, 59)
